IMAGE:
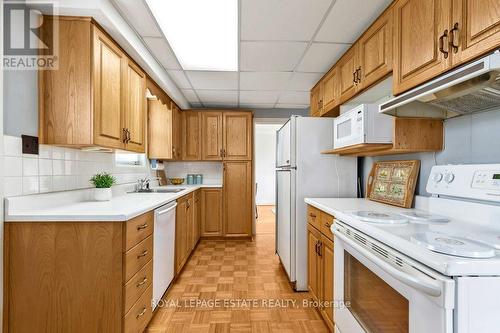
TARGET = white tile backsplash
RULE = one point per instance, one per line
(58, 169)
(211, 171)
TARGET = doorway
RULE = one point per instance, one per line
(265, 176)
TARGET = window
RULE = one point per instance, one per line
(129, 159)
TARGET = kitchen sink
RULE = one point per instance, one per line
(159, 190)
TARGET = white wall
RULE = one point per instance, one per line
(265, 155)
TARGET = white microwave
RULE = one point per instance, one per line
(363, 124)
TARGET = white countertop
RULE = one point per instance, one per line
(78, 206)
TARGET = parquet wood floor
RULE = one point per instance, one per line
(235, 286)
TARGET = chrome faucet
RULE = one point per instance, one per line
(143, 184)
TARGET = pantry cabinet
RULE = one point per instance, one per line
(238, 199)
(421, 37)
(97, 97)
(191, 135)
(211, 136)
(211, 212)
(237, 136)
(320, 261)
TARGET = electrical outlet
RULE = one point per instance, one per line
(30, 144)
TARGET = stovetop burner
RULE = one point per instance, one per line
(424, 217)
(380, 217)
(451, 245)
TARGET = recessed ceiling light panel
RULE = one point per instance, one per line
(203, 34)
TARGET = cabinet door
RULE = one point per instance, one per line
(135, 108)
(237, 136)
(159, 130)
(109, 70)
(347, 74)
(181, 219)
(375, 51)
(475, 28)
(176, 132)
(211, 136)
(197, 217)
(211, 212)
(313, 263)
(190, 226)
(315, 100)
(238, 199)
(330, 91)
(420, 26)
(191, 131)
(326, 255)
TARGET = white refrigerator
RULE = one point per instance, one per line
(302, 172)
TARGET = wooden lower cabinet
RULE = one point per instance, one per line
(320, 263)
(183, 230)
(78, 277)
(211, 212)
(196, 218)
(238, 199)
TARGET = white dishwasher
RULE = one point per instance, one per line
(163, 250)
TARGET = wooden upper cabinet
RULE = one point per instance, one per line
(211, 136)
(135, 108)
(375, 51)
(315, 100)
(330, 92)
(421, 37)
(109, 92)
(347, 67)
(97, 97)
(237, 136)
(237, 198)
(475, 29)
(159, 130)
(176, 132)
(191, 131)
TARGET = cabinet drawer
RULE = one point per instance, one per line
(326, 222)
(137, 257)
(137, 229)
(138, 317)
(314, 217)
(137, 284)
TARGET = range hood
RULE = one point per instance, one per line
(472, 88)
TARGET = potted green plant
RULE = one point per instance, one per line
(102, 183)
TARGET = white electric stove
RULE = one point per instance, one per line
(434, 268)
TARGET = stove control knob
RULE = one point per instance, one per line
(449, 178)
(438, 177)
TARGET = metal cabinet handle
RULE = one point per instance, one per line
(143, 254)
(141, 313)
(316, 246)
(221, 153)
(312, 215)
(452, 38)
(188, 204)
(327, 225)
(358, 74)
(441, 43)
(142, 282)
(142, 226)
(320, 249)
(124, 135)
(354, 77)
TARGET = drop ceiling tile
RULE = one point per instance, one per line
(139, 16)
(278, 19)
(321, 56)
(218, 96)
(349, 18)
(271, 56)
(162, 51)
(303, 81)
(190, 96)
(180, 79)
(264, 80)
(295, 97)
(292, 106)
(213, 80)
(259, 97)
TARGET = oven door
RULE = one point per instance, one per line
(379, 290)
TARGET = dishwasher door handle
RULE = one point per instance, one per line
(161, 212)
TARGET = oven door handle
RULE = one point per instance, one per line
(430, 289)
